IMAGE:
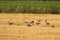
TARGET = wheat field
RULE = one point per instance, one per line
(35, 32)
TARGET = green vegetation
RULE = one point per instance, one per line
(30, 7)
(29, 0)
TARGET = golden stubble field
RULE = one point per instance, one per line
(35, 32)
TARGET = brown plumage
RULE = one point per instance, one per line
(10, 22)
(30, 23)
(38, 22)
(53, 25)
(47, 22)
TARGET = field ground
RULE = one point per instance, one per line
(23, 32)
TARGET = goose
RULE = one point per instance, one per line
(10, 22)
(47, 22)
(53, 25)
(30, 23)
(38, 22)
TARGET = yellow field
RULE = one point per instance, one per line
(35, 32)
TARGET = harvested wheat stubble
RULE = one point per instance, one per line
(23, 32)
